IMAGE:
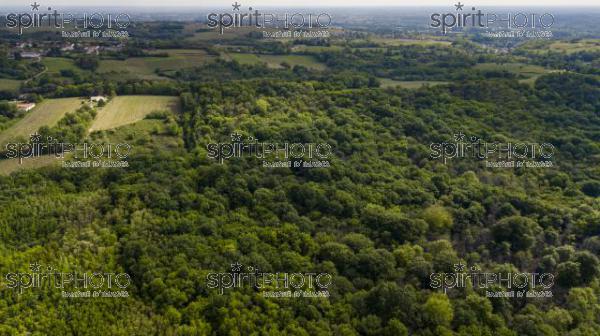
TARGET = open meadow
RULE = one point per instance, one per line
(125, 110)
(146, 67)
(55, 64)
(46, 113)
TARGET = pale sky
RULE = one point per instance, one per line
(303, 3)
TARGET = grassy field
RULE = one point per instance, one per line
(145, 67)
(11, 165)
(386, 82)
(528, 72)
(568, 47)
(275, 61)
(129, 109)
(9, 84)
(518, 68)
(46, 113)
(146, 134)
(56, 64)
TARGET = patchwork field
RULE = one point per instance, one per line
(275, 61)
(145, 67)
(46, 113)
(125, 110)
(129, 109)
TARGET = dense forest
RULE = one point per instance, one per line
(381, 220)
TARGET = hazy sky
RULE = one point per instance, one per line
(302, 3)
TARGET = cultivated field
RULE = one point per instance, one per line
(145, 67)
(125, 110)
(46, 113)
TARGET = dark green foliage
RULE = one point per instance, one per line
(380, 220)
(88, 62)
(518, 231)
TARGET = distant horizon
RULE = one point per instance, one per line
(148, 4)
(258, 6)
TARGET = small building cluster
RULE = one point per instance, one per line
(25, 106)
(35, 51)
